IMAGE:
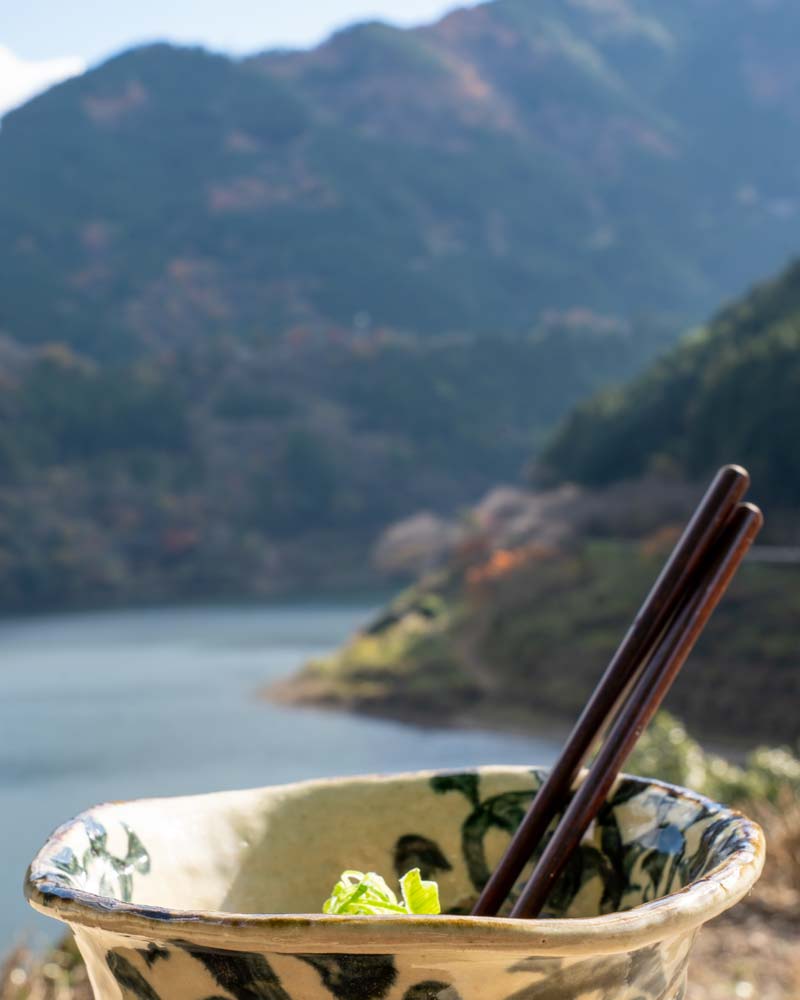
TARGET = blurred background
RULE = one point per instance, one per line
(369, 355)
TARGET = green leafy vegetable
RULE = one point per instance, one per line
(367, 893)
(419, 896)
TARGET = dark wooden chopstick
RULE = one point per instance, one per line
(646, 695)
(728, 487)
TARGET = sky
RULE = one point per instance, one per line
(44, 41)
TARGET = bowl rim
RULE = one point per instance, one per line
(647, 923)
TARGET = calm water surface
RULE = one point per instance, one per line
(163, 702)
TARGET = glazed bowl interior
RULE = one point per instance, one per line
(279, 850)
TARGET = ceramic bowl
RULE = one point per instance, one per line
(218, 897)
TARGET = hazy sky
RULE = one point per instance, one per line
(43, 41)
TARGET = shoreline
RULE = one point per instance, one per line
(486, 716)
(288, 597)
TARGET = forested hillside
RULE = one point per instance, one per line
(728, 392)
(228, 469)
(514, 159)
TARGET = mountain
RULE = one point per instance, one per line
(513, 160)
(253, 310)
(728, 392)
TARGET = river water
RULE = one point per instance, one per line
(122, 704)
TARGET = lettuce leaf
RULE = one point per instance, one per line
(367, 893)
(419, 896)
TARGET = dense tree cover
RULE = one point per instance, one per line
(218, 468)
(71, 414)
(728, 392)
(512, 159)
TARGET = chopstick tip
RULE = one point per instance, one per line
(754, 510)
(735, 471)
(746, 521)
